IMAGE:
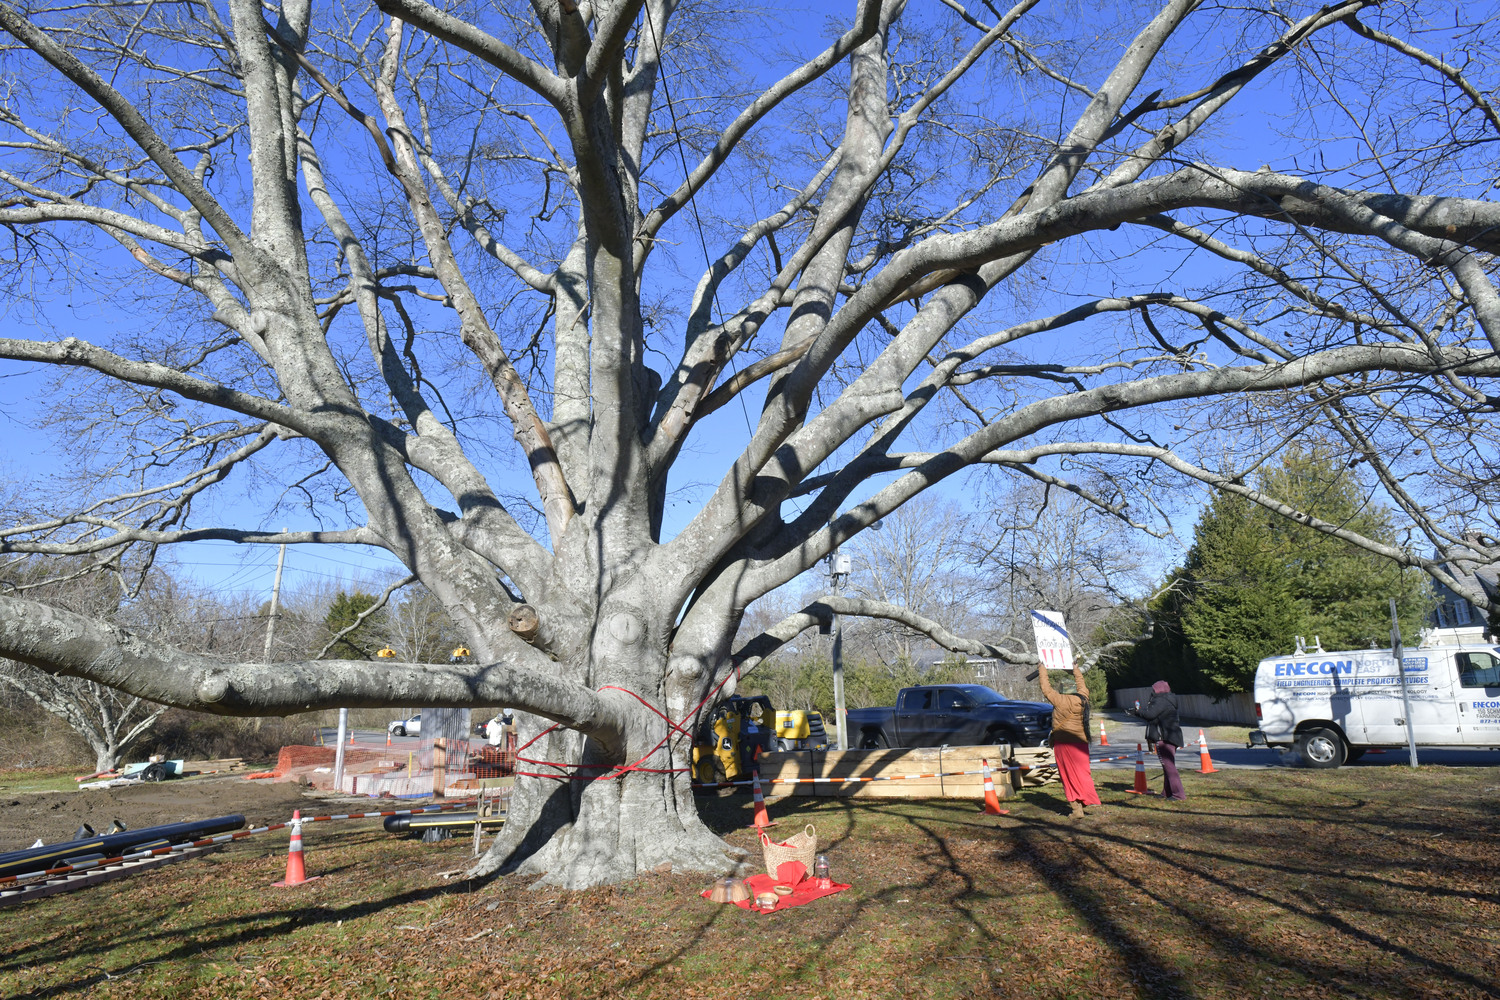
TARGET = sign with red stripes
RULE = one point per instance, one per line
(1053, 647)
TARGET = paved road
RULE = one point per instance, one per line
(1125, 731)
(372, 737)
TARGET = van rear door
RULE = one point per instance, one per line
(1429, 683)
(1479, 696)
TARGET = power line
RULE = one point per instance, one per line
(661, 54)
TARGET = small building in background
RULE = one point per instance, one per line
(1455, 619)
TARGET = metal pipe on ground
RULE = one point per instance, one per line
(411, 824)
(117, 843)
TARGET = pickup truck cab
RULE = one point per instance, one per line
(951, 715)
(1334, 706)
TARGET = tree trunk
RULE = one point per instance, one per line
(583, 833)
(106, 754)
(610, 816)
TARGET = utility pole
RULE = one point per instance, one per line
(839, 567)
(338, 755)
(275, 601)
(1400, 655)
(838, 572)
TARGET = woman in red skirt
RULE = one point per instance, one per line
(1070, 742)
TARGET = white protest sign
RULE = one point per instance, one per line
(1052, 645)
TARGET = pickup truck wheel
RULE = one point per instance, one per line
(1001, 736)
(1321, 747)
(873, 741)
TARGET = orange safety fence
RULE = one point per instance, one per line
(407, 769)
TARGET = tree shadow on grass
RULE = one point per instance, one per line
(226, 932)
(1193, 899)
(1255, 847)
(1083, 867)
(945, 827)
(230, 930)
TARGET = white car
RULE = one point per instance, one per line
(406, 727)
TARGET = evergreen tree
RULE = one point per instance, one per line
(1254, 580)
(1344, 592)
(1239, 603)
(363, 642)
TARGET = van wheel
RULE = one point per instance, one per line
(1321, 747)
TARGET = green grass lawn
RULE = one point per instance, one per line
(1222, 731)
(1369, 882)
(41, 779)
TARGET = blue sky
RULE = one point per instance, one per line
(1246, 139)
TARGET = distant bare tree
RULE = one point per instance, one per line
(107, 719)
(918, 560)
(419, 629)
(1041, 547)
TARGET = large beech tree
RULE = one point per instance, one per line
(490, 286)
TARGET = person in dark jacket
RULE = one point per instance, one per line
(1164, 732)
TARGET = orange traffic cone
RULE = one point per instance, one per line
(1140, 773)
(762, 818)
(1205, 762)
(296, 871)
(351, 737)
(991, 800)
(387, 738)
(1103, 736)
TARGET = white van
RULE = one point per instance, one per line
(1334, 706)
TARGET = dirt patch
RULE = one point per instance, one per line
(55, 816)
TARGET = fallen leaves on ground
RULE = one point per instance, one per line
(1358, 883)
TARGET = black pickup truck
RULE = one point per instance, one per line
(950, 715)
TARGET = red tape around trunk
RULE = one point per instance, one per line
(620, 770)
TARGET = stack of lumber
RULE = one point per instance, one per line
(1033, 766)
(93, 876)
(223, 765)
(777, 771)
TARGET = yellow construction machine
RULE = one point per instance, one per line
(800, 730)
(737, 728)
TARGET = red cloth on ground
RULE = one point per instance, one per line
(1073, 765)
(804, 890)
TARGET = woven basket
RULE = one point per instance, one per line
(801, 847)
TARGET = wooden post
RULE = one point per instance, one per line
(479, 814)
(439, 768)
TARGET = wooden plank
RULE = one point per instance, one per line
(887, 763)
(95, 876)
(1040, 767)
